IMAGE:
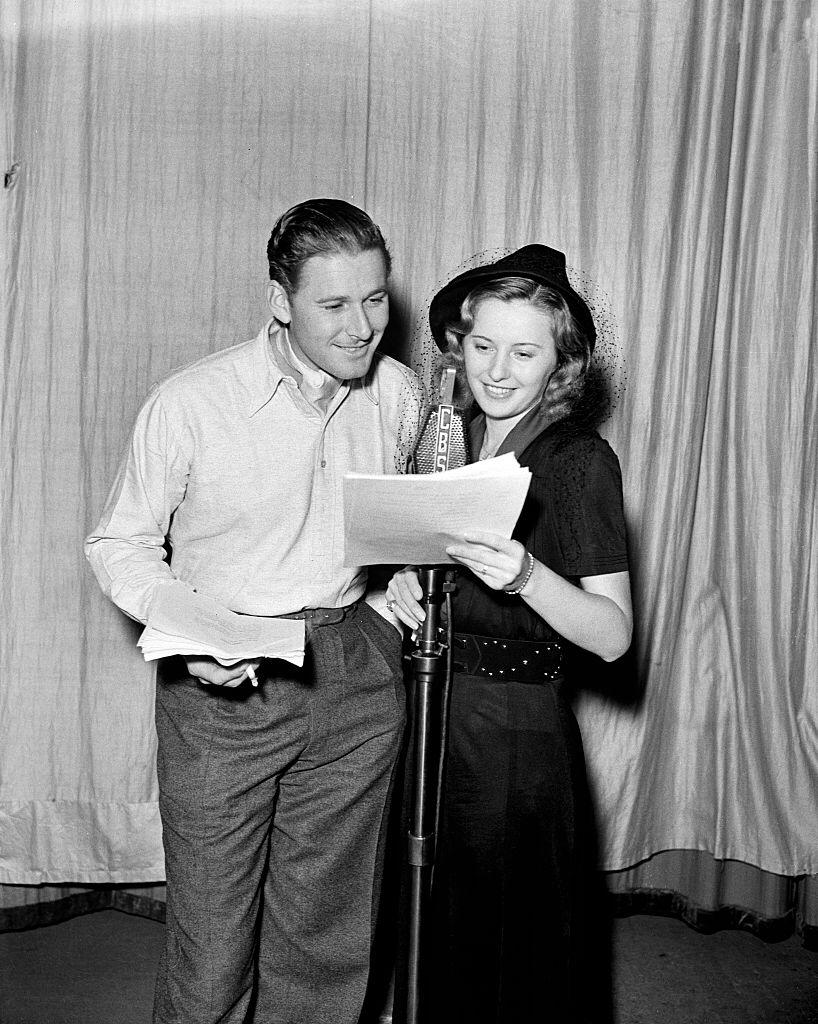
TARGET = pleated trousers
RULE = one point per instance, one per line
(274, 804)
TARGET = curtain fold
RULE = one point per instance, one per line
(669, 149)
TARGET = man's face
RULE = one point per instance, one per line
(338, 312)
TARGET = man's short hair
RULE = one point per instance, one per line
(319, 227)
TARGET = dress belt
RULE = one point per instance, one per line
(507, 661)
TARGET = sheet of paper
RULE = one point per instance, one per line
(412, 519)
(182, 621)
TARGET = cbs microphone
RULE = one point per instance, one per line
(443, 443)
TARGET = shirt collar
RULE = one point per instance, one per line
(367, 383)
(269, 366)
(262, 375)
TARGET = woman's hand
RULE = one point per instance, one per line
(493, 559)
(596, 615)
(403, 595)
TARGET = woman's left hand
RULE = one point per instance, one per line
(492, 558)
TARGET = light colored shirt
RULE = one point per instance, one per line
(243, 475)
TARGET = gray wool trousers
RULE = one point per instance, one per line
(274, 803)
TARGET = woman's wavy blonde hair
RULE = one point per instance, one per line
(564, 387)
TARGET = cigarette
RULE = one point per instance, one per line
(251, 675)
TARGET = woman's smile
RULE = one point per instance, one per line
(497, 390)
(510, 355)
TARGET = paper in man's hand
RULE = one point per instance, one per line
(182, 621)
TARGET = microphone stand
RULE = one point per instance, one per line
(441, 437)
(428, 668)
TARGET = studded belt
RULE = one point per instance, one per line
(515, 661)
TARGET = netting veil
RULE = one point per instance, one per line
(606, 378)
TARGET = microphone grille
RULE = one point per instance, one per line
(427, 457)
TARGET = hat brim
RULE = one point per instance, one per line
(445, 306)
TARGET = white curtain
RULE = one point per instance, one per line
(669, 148)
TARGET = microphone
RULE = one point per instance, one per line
(443, 443)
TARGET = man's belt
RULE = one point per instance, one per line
(316, 617)
(507, 661)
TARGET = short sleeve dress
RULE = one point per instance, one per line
(515, 884)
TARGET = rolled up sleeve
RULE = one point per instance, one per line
(127, 549)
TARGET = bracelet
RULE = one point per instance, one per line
(522, 580)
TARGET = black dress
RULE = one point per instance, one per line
(512, 937)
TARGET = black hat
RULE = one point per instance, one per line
(540, 263)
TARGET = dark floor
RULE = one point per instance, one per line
(98, 969)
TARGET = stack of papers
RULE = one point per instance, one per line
(412, 519)
(184, 622)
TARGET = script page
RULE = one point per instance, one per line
(411, 519)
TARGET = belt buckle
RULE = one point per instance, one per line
(469, 649)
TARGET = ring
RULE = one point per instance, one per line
(390, 605)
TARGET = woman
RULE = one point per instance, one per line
(516, 857)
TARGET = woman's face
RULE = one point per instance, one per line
(509, 355)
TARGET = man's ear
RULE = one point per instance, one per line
(279, 302)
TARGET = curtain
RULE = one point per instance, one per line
(668, 148)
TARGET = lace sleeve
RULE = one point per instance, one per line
(588, 490)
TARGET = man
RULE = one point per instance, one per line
(273, 798)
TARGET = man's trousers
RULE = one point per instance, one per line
(274, 804)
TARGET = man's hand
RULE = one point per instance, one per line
(214, 673)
